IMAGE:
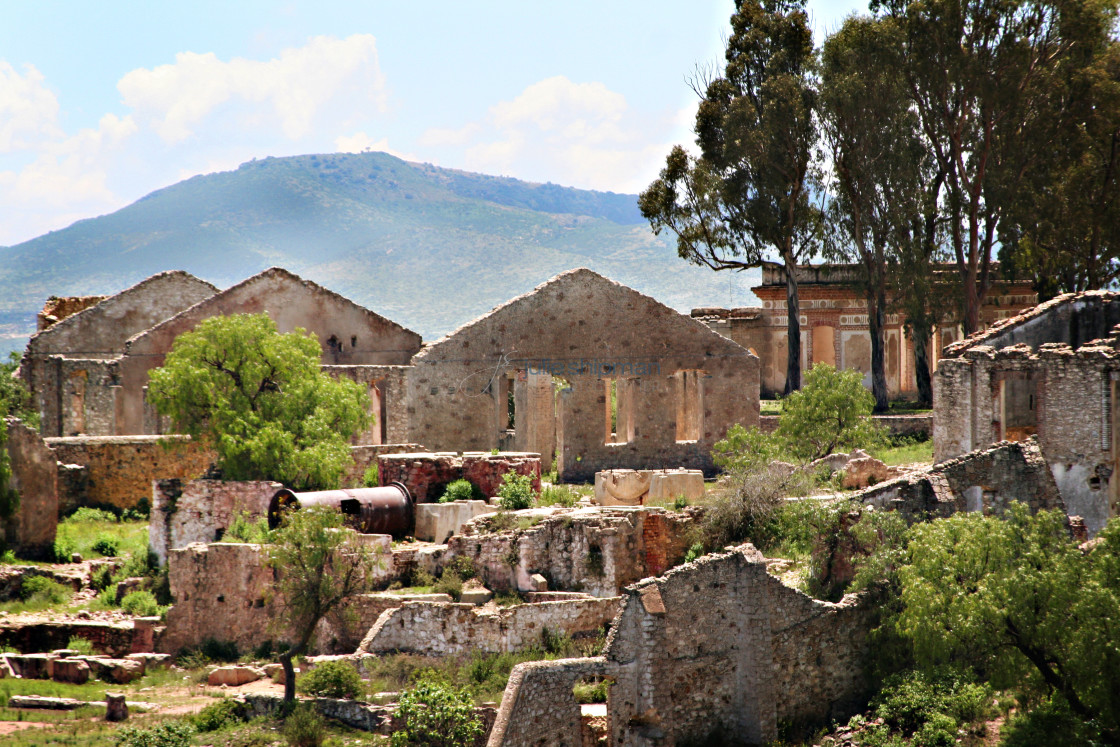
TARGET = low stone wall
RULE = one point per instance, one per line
(426, 475)
(366, 456)
(434, 629)
(985, 480)
(30, 531)
(119, 469)
(201, 510)
(436, 522)
(114, 639)
(342, 631)
(594, 550)
(717, 651)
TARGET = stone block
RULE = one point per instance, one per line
(476, 596)
(537, 582)
(622, 487)
(667, 485)
(32, 666)
(74, 671)
(116, 709)
(275, 672)
(150, 660)
(864, 471)
(120, 671)
(435, 522)
(234, 675)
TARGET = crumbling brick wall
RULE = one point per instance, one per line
(426, 475)
(201, 510)
(715, 650)
(118, 470)
(449, 629)
(30, 531)
(564, 353)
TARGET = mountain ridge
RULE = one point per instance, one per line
(429, 247)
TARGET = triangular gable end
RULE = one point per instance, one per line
(573, 281)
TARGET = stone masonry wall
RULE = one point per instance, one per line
(30, 531)
(448, 629)
(118, 470)
(597, 550)
(201, 510)
(715, 650)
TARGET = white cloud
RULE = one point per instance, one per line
(28, 109)
(582, 134)
(289, 92)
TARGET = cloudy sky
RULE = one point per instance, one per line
(104, 102)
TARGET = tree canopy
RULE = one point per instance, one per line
(260, 399)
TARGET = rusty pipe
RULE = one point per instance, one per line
(384, 510)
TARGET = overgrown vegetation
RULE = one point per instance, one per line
(332, 679)
(516, 492)
(558, 495)
(461, 490)
(436, 714)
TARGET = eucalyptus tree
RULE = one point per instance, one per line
(871, 133)
(747, 195)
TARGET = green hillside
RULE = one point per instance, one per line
(431, 248)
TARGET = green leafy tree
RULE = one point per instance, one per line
(1015, 599)
(831, 412)
(318, 566)
(261, 400)
(747, 196)
(436, 714)
(15, 398)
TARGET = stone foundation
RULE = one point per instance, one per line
(436, 522)
(427, 475)
(201, 510)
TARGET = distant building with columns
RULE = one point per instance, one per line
(834, 325)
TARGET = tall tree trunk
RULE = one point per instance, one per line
(793, 335)
(876, 321)
(920, 331)
(289, 676)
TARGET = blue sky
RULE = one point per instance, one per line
(102, 103)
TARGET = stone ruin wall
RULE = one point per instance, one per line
(201, 510)
(1073, 392)
(442, 629)
(117, 471)
(426, 475)
(30, 531)
(986, 480)
(716, 649)
(386, 385)
(58, 308)
(597, 551)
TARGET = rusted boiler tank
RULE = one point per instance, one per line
(383, 510)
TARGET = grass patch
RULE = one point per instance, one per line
(906, 451)
(92, 532)
(769, 407)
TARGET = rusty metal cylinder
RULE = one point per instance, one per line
(384, 510)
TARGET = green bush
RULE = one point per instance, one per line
(219, 715)
(680, 503)
(106, 546)
(1050, 723)
(932, 703)
(244, 528)
(332, 679)
(167, 734)
(64, 548)
(371, 478)
(44, 590)
(591, 692)
(86, 514)
(81, 645)
(304, 727)
(558, 495)
(694, 552)
(516, 492)
(462, 566)
(449, 583)
(436, 714)
(141, 604)
(460, 490)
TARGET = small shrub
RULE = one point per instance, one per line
(215, 650)
(371, 478)
(436, 714)
(449, 583)
(557, 495)
(304, 727)
(167, 734)
(81, 645)
(106, 546)
(332, 679)
(515, 492)
(244, 528)
(64, 548)
(591, 692)
(44, 590)
(101, 578)
(555, 643)
(218, 715)
(140, 512)
(694, 552)
(141, 604)
(86, 514)
(460, 490)
(463, 567)
(680, 503)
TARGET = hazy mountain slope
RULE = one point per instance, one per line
(431, 248)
